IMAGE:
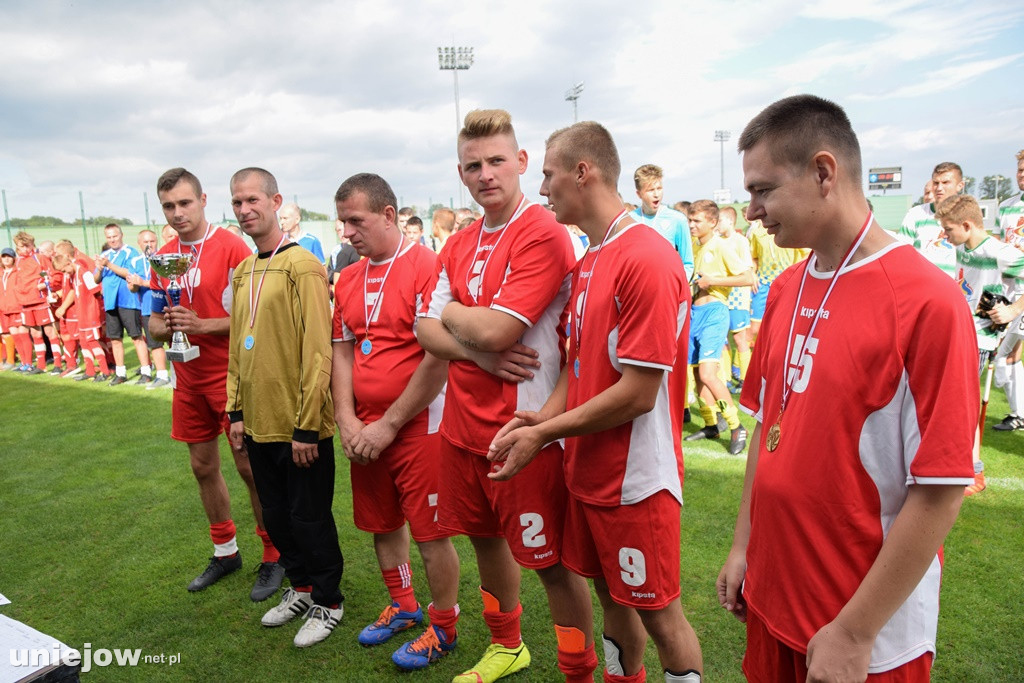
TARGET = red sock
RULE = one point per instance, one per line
(639, 677)
(399, 583)
(303, 589)
(71, 352)
(40, 348)
(223, 536)
(270, 553)
(504, 626)
(444, 620)
(575, 659)
(23, 341)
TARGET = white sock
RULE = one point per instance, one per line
(1000, 372)
(121, 372)
(162, 374)
(1015, 388)
(145, 371)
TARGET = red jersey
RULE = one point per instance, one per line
(206, 289)
(522, 270)
(380, 376)
(88, 305)
(881, 400)
(29, 277)
(632, 301)
(8, 296)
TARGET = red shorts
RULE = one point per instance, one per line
(769, 660)
(68, 327)
(400, 485)
(10, 320)
(38, 316)
(644, 574)
(94, 333)
(528, 510)
(197, 418)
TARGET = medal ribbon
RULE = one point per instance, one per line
(253, 305)
(578, 327)
(380, 292)
(787, 385)
(189, 288)
(520, 208)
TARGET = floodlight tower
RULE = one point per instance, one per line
(721, 136)
(573, 94)
(455, 59)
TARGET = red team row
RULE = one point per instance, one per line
(505, 391)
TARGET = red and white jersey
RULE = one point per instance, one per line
(380, 376)
(522, 270)
(28, 277)
(8, 296)
(88, 303)
(633, 306)
(882, 399)
(206, 289)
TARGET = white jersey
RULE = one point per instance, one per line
(921, 230)
(1011, 220)
(992, 266)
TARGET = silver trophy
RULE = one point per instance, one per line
(173, 266)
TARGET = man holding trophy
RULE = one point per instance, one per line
(191, 284)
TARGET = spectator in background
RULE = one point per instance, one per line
(343, 255)
(442, 225)
(414, 230)
(123, 306)
(139, 281)
(291, 222)
(404, 214)
(10, 309)
(87, 311)
(919, 226)
(669, 223)
(30, 284)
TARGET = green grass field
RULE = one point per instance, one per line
(101, 530)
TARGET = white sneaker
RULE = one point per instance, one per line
(292, 605)
(320, 621)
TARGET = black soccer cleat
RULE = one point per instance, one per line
(1010, 423)
(268, 580)
(218, 568)
(703, 433)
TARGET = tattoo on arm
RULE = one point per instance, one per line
(454, 330)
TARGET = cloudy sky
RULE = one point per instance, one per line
(101, 97)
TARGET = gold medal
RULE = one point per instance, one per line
(771, 442)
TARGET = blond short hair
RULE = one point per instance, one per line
(647, 174)
(486, 123)
(960, 208)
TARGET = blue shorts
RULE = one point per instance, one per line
(739, 319)
(757, 302)
(709, 330)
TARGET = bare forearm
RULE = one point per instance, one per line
(158, 327)
(437, 340)
(909, 549)
(633, 395)
(480, 328)
(423, 387)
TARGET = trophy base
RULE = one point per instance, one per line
(183, 355)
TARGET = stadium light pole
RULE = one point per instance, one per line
(720, 137)
(7, 220)
(999, 181)
(455, 59)
(145, 202)
(85, 233)
(572, 95)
